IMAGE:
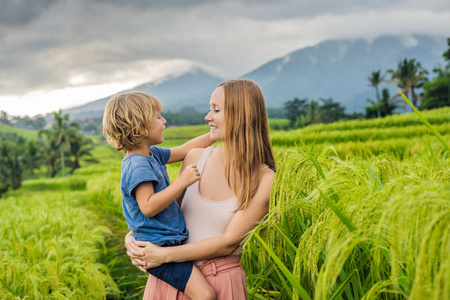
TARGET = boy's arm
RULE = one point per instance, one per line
(151, 203)
(178, 153)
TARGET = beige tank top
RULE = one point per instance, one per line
(206, 218)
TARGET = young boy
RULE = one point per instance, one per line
(132, 122)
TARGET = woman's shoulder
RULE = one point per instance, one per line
(194, 155)
(267, 178)
(268, 172)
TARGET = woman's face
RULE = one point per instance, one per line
(215, 116)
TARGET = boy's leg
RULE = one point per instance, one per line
(198, 287)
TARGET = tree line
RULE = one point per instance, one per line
(60, 146)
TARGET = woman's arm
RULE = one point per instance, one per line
(239, 226)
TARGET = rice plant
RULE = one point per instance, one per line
(365, 218)
(291, 138)
(435, 117)
(354, 229)
(50, 248)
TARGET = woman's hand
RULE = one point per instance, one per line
(144, 255)
(134, 252)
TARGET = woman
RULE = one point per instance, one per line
(230, 199)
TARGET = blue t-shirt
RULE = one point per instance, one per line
(168, 226)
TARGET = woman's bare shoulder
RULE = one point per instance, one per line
(268, 173)
(265, 185)
(193, 156)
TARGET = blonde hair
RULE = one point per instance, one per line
(246, 139)
(127, 117)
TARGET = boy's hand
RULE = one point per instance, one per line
(189, 175)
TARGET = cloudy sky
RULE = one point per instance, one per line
(63, 53)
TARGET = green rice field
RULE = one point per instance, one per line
(359, 210)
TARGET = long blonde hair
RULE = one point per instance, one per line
(246, 139)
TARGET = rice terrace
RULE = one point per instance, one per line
(359, 210)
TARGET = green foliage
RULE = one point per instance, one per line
(435, 117)
(79, 146)
(437, 92)
(17, 156)
(330, 111)
(278, 124)
(446, 54)
(409, 75)
(185, 132)
(295, 110)
(50, 249)
(354, 228)
(77, 183)
(301, 113)
(375, 80)
(390, 189)
(59, 138)
(426, 123)
(336, 135)
(276, 113)
(187, 115)
(382, 108)
(64, 142)
(400, 218)
(27, 134)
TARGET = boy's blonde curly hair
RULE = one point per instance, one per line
(127, 117)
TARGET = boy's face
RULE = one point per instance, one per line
(155, 130)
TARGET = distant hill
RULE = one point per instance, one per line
(339, 68)
(336, 68)
(192, 88)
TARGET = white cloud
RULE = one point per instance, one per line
(44, 101)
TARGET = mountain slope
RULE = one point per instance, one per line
(339, 68)
(192, 88)
(336, 68)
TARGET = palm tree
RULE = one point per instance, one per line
(400, 78)
(59, 136)
(34, 156)
(79, 147)
(314, 111)
(417, 79)
(51, 152)
(294, 110)
(408, 76)
(12, 160)
(375, 80)
(330, 111)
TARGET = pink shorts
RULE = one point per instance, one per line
(225, 275)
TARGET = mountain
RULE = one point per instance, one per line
(192, 88)
(335, 68)
(339, 68)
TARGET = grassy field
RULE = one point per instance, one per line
(359, 210)
(28, 134)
